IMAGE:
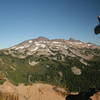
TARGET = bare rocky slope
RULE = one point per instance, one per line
(37, 91)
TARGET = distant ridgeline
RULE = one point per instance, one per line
(70, 64)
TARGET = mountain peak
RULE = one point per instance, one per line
(73, 40)
(44, 46)
(42, 38)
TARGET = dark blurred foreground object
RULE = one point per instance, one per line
(97, 28)
(83, 95)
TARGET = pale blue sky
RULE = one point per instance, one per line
(26, 19)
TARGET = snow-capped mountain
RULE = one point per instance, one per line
(66, 63)
(44, 46)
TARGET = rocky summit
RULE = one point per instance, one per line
(44, 46)
(69, 63)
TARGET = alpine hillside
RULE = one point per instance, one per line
(70, 64)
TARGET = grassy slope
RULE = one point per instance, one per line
(51, 71)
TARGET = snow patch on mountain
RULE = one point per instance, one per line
(76, 70)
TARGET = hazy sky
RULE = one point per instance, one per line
(26, 19)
